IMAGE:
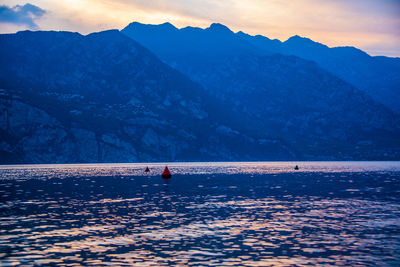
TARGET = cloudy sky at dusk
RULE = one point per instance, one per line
(372, 25)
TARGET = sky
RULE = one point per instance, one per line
(371, 25)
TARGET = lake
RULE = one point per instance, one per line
(218, 214)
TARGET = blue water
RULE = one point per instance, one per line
(227, 214)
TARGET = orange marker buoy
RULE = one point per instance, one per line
(166, 173)
(147, 169)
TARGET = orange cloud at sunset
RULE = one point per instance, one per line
(372, 25)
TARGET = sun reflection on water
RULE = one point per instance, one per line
(112, 215)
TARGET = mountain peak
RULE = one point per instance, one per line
(168, 26)
(106, 32)
(298, 38)
(164, 26)
(219, 28)
(303, 41)
(240, 33)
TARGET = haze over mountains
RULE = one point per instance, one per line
(157, 93)
(377, 76)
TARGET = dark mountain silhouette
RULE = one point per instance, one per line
(379, 77)
(281, 95)
(103, 97)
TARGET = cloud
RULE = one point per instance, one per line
(21, 15)
(372, 25)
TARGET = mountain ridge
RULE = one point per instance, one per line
(347, 62)
(218, 73)
(104, 97)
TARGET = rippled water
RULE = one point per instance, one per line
(227, 214)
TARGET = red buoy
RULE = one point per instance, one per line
(166, 173)
(147, 169)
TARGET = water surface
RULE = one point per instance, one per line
(227, 214)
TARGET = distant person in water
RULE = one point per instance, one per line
(147, 170)
(296, 167)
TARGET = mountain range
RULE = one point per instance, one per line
(158, 93)
(377, 76)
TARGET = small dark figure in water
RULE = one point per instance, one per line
(147, 170)
(296, 167)
(166, 173)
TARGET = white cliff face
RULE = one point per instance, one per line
(23, 118)
(150, 139)
(33, 133)
(105, 98)
(36, 137)
(86, 145)
(113, 149)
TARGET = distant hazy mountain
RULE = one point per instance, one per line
(379, 77)
(286, 96)
(189, 47)
(103, 97)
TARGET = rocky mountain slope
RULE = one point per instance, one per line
(287, 96)
(104, 98)
(378, 77)
(65, 97)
